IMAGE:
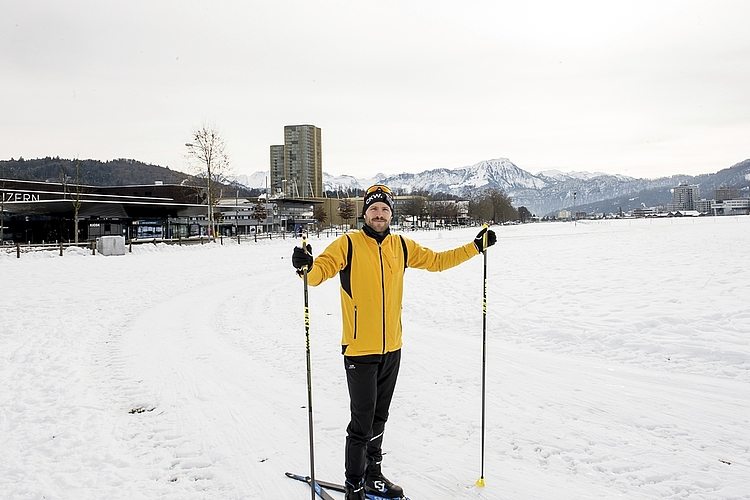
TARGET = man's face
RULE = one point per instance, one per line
(378, 216)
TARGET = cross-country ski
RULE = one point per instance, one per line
(339, 487)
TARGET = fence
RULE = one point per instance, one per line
(61, 247)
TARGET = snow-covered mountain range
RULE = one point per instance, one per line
(545, 192)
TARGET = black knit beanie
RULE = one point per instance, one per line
(373, 196)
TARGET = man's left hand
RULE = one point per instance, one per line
(479, 241)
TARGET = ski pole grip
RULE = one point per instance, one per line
(304, 247)
(484, 236)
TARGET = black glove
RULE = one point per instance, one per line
(479, 240)
(300, 258)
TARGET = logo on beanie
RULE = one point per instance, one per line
(377, 196)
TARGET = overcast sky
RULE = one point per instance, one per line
(642, 88)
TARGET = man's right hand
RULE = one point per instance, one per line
(302, 258)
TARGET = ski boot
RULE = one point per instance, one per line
(377, 484)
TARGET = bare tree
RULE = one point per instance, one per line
(502, 205)
(75, 196)
(524, 215)
(480, 207)
(208, 157)
(346, 210)
(449, 212)
(414, 206)
(259, 212)
(492, 204)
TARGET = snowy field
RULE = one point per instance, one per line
(618, 367)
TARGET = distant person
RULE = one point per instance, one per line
(371, 264)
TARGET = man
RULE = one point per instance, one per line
(371, 264)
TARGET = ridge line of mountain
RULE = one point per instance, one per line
(543, 193)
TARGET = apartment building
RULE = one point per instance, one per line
(684, 198)
(297, 165)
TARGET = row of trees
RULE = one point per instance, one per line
(490, 204)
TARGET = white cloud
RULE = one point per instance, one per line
(636, 87)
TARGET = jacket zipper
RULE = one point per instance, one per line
(382, 289)
(355, 322)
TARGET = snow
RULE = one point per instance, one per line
(618, 366)
(257, 180)
(557, 175)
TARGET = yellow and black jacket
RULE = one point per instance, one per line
(372, 284)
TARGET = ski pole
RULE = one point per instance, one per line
(480, 481)
(309, 379)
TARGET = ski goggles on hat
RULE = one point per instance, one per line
(378, 187)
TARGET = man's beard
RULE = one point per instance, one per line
(386, 222)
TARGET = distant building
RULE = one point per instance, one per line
(684, 198)
(277, 170)
(237, 216)
(36, 212)
(726, 193)
(726, 201)
(297, 166)
(740, 206)
(684, 213)
(704, 206)
(646, 212)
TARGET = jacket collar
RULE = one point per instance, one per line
(379, 237)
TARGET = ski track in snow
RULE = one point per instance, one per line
(618, 366)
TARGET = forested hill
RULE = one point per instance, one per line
(121, 172)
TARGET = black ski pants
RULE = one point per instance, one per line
(371, 380)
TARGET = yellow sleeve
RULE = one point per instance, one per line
(420, 257)
(329, 262)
